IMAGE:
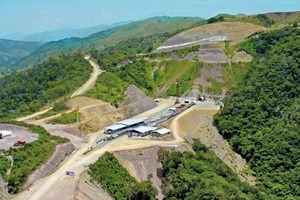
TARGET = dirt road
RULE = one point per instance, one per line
(89, 83)
(82, 89)
(77, 162)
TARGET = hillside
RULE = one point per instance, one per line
(214, 32)
(261, 116)
(100, 40)
(284, 17)
(63, 33)
(12, 51)
(27, 91)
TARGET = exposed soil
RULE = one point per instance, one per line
(136, 101)
(143, 164)
(199, 124)
(87, 190)
(241, 56)
(96, 114)
(233, 31)
(62, 151)
(210, 70)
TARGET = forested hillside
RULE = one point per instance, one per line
(261, 118)
(12, 51)
(27, 91)
(201, 176)
(28, 158)
(110, 37)
(116, 180)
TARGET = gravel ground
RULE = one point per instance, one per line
(18, 133)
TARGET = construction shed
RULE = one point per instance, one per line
(142, 131)
(114, 128)
(133, 122)
(5, 133)
(161, 132)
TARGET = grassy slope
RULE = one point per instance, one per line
(166, 76)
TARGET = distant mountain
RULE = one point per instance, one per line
(12, 51)
(63, 33)
(109, 37)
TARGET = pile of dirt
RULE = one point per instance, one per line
(199, 124)
(86, 190)
(62, 151)
(96, 114)
(241, 56)
(136, 101)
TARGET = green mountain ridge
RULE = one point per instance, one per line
(12, 51)
(100, 40)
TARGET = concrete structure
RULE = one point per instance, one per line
(161, 132)
(5, 133)
(142, 131)
(133, 122)
(125, 125)
(113, 128)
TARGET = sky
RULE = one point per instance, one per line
(30, 16)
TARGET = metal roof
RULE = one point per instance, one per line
(144, 129)
(129, 122)
(115, 127)
(162, 131)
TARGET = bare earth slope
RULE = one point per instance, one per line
(97, 114)
(199, 124)
(216, 32)
(136, 101)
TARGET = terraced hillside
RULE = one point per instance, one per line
(216, 32)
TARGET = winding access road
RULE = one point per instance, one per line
(77, 162)
(82, 89)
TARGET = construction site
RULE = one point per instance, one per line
(136, 129)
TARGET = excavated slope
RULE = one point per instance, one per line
(97, 114)
(136, 101)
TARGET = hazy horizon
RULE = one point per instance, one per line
(32, 16)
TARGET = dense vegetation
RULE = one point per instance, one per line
(29, 90)
(260, 19)
(30, 156)
(201, 176)
(261, 117)
(4, 166)
(11, 51)
(116, 180)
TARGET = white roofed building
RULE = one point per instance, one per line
(142, 131)
(132, 121)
